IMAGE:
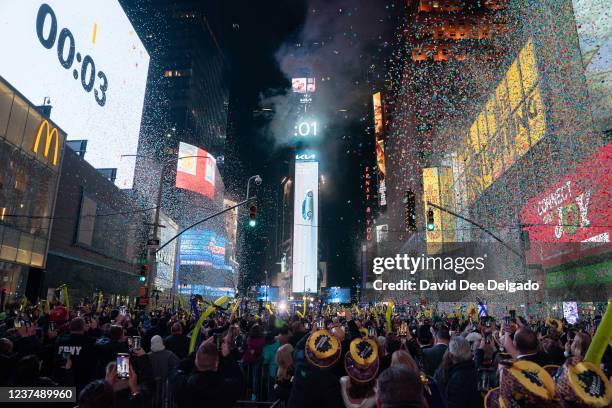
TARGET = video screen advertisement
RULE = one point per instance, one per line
(268, 293)
(336, 294)
(305, 225)
(89, 62)
(572, 217)
(202, 248)
(195, 170)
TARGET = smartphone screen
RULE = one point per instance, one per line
(122, 311)
(51, 326)
(17, 324)
(123, 365)
(135, 342)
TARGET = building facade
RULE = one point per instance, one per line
(507, 115)
(31, 153)
(97, 236)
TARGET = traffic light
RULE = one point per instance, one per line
(410, 211)
(430, 220)
(253, 215)
(144, 271)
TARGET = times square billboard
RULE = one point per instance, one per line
(305, 223)
(202, 248)
(572, 217)
(89, 64)
(196, 170)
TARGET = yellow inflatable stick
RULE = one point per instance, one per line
(236, 304)
(203, 316)
(601, 338)
(388, 316)
(375, 312)
(269, 309)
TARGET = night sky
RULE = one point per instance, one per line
(343, 45)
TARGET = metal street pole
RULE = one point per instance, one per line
(151, 250)
(258, 181)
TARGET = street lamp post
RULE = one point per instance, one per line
(258, 181)
(266, 273)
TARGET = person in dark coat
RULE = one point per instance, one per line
(457, 376)
(392, 344)
(524, 346)
(80, 346)
(107, 350)
(8, 360)
(176, 342)
(432, 357)
(215, 381)
(315, 383)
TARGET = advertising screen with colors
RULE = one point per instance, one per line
(195, 170)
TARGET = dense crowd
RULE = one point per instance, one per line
(118, 357)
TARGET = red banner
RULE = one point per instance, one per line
(576, 209)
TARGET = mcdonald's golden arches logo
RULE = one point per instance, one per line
(50, 133)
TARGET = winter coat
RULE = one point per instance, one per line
(163, 362)
(461, 385)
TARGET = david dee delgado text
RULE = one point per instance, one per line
(459, 265)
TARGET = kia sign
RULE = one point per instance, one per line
(88, 60)
(305, 226)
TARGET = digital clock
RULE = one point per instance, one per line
(67, 54)
(306, 129)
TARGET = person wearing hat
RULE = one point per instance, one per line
(315, 384)
(582, 384)
(361, 364)
(162, 360)
(522, 384)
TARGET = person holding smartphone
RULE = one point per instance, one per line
(80, 346)
(107, 350)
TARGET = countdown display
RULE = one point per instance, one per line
(89, 63)
(306, 128)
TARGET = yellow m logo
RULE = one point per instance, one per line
(50, 133)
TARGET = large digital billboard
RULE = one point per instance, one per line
(164, 278)
(89, 64)
(336, 294)
(380, 148)
(305, 225)
(437, 189)
(202, 248)
(510, 123)
(195, 170)
(303, 85)
(594, 25)
(574, 209)
(268, 293)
